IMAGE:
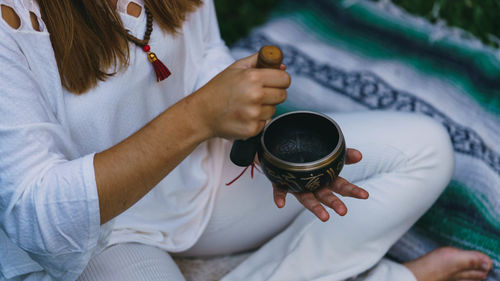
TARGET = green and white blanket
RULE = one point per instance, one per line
(365, 55)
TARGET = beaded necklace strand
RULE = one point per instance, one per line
(161, 70)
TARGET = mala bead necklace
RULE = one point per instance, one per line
(161, 70)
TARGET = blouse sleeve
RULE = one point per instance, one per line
(216, 55)
(48, 196)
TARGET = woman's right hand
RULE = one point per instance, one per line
(237, 102)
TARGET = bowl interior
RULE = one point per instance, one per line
(301, 137)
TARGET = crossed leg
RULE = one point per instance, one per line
(407, 163)
(405, 170)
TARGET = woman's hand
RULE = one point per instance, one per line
(237, 102)
(314, 200)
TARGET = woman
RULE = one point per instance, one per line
(109, 159)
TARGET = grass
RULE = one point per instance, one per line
(237, 18)
(480, 18)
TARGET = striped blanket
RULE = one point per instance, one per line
(367, 55)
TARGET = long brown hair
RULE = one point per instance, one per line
(88, 37)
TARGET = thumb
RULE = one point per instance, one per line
(248, 62)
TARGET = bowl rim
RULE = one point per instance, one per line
(307, 166)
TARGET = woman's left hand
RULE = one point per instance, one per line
(313, 200)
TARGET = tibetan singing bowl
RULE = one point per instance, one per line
(302, 151)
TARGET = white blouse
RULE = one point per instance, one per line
(49, 210)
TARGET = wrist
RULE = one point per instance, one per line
(196, 107)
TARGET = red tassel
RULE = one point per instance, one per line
(237, 177)
(252, 167)
(161, 70)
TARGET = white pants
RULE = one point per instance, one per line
(407, 162)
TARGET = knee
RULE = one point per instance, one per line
(430, 148)
(423, 145)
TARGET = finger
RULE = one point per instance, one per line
(274, 96)
(279, 195)
(352, 156)
(267, 112)
(283, 67)
(274, 78)
(326, 196)
(260, 127)
(248, 62)
(471, 275)
(252, 130)
(345, 188)
(312, 204)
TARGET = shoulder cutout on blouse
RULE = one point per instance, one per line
(16, 13)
